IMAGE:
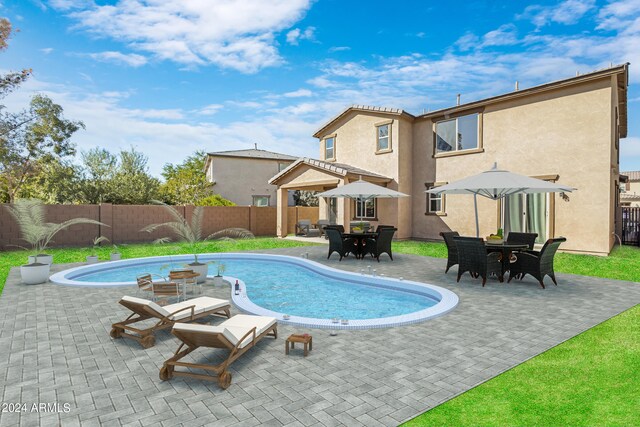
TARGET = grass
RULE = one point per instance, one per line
(68, 255)
(590, 379)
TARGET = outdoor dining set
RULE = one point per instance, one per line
(515, 255)
(360, 243)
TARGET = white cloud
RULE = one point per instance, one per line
(46, 50)
(300, 93)
(130, 59)
(567, 12)
(505, 35)
(294, 36)
(339, 49)
(210, 109)
(237, 34)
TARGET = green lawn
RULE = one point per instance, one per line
(591, 379)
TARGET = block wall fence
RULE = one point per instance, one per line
(124, 222)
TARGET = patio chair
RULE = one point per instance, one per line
(380, 227)
(304, 228)
(338, 227)
(473, 258)
(186, 278)
(145, 281)
(523, 238)
(452, 250)
(322, 223)
(381, 244)
(163, 292)
(167, 316)
(237, 335)
(537, 264)
(338, 243)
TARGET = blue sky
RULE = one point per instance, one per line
(169, 77)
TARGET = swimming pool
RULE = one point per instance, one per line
(309, 293)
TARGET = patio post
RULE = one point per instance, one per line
(282, 202)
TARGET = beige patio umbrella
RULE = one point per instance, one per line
(363, 190)
(496, 184)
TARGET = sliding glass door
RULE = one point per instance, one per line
(527, 213)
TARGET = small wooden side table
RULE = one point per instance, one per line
(305, 339)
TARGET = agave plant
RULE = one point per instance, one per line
(30, 215)
(190, 232)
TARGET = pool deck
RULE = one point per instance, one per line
(56, 349)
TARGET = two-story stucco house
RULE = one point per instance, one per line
(566, 131)
(242, 176)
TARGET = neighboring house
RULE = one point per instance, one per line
(242, 175)
(566, 131)
(630, 189)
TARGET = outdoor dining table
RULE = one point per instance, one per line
(506, 250)
(361, 239)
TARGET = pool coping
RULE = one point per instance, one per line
(447, 300)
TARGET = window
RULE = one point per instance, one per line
(329, 148)
(435, 202)
(365, 208)
(282, 166)
(457, 134)
(383, 137)
(261, 201)
(527, 213)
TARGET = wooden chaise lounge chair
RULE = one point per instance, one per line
(181, 312)
(238, 334)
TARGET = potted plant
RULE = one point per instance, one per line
(30, 215)
(218, 279)
(93, 258)
(190, 232)
(115, 253)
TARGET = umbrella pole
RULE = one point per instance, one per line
(475, 207)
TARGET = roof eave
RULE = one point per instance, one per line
(401, 113)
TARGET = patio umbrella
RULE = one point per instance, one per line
(496, 184)
(362, 190)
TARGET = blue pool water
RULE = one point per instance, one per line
(289, 288)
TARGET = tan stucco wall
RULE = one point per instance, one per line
(239, 179)
(566, 132)
(355, 145)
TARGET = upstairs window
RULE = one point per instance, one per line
(329, 148)
(282, 166)
(261, 201)
(365, 208)
(383, 137)
(457, 134)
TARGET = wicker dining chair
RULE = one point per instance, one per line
(337, 243)
(473, 258)
(522, 238)
(537, 264)
(452, 250)
(381, 244)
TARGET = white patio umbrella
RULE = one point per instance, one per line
(496, 184)
(362, 190)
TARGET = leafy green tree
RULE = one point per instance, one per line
(214, 200)
(57, 181)
(11, 80)
(186, 183)
(99, 168)
(132, 184)
(30, 139)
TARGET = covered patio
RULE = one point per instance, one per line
(316, 175)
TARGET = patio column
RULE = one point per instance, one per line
(281, 208)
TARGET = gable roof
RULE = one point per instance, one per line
(253, 153)
(634, 176)
(335, 168)
(363, 108)
(621, 71)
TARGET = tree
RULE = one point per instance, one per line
(12, 80)
(100, 166)
(186, 183)
(30, 139)
(132, 184)
(57, 181)
(305, 198)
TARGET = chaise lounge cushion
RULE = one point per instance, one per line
(201, 304)
(234, 332)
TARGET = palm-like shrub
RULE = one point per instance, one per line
(30, 215)
(190, 232)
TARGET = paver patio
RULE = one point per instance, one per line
(55, 347)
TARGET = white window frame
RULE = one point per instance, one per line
(333, 148)
(435, 197)
(253, 200)
(361, 203)
(455, 149)
(389, 126)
